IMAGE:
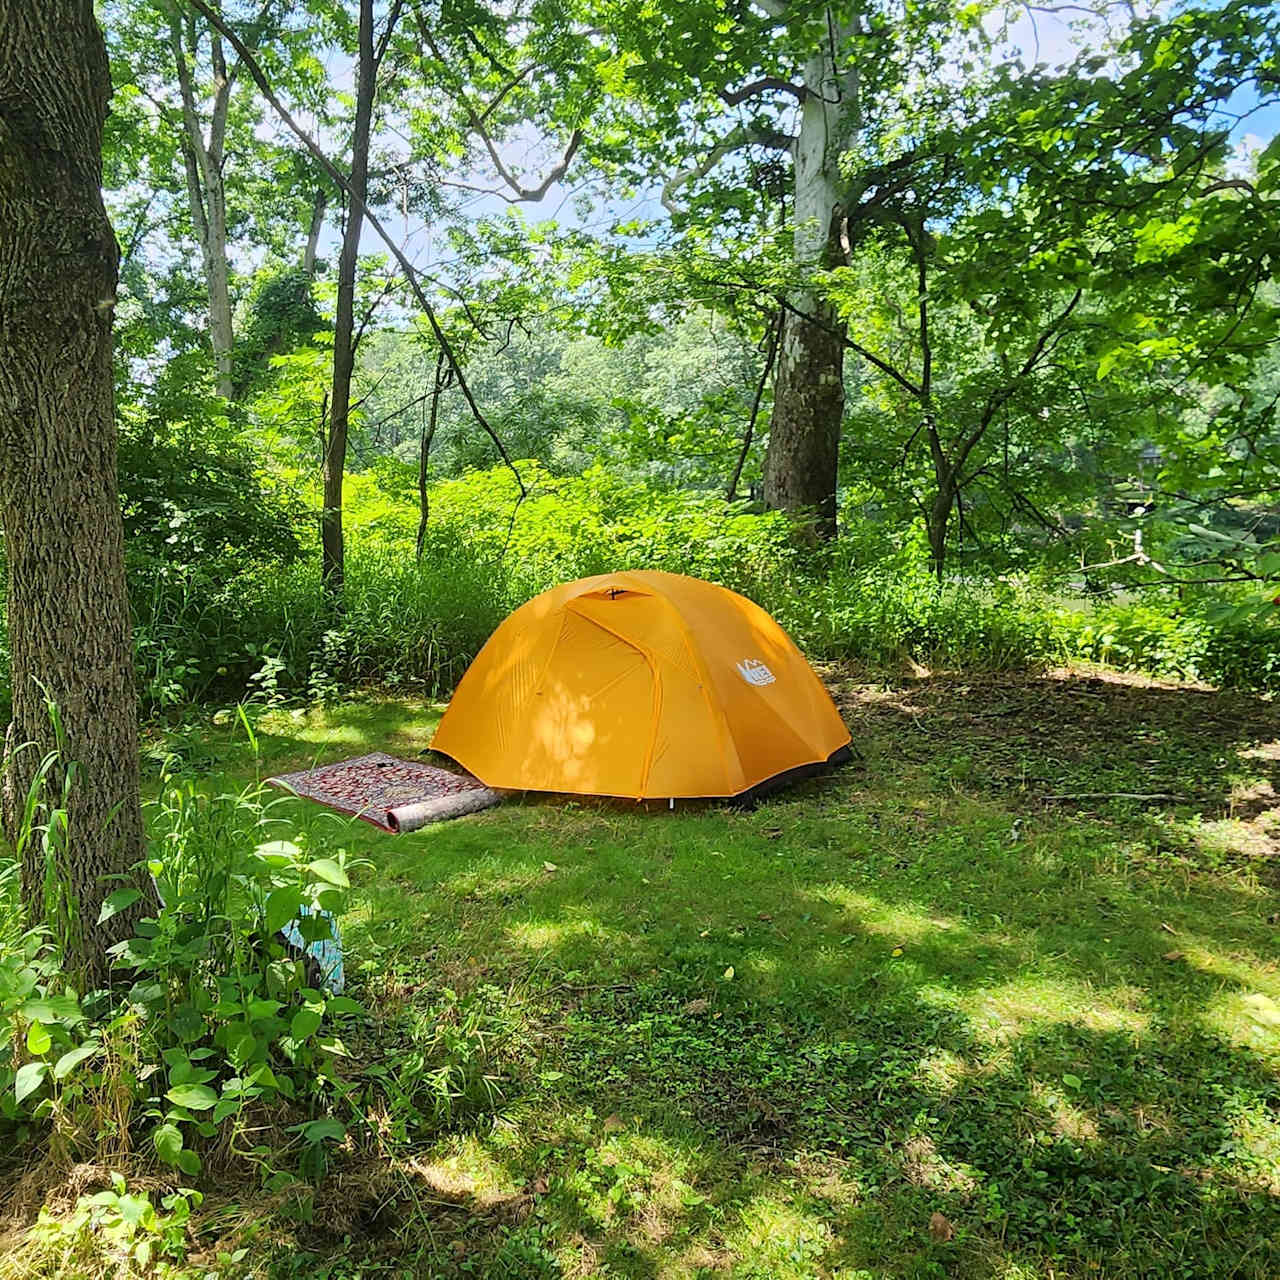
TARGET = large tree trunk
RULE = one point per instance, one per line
(68, 612)
(808, 403)
(333, 565)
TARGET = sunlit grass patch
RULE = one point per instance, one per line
(1028, 1000)
(775, 1237)
(1250, 1019)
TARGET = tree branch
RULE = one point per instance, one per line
(736, 140)
(735, 97)
(340, 181)
(775, 330)
(998, 398)
(476, 122)
(387, 32)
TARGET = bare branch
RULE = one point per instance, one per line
(476, 121)
(775, 331)
(736, 140)
(998, 398)
(387, 32)
(735, 97)
(1228, 184)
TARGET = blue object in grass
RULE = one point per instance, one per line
(326, 952)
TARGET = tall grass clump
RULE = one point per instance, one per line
(891, 612)
(269, 630)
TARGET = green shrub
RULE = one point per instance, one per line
(1225, 641)
(232, 1018)
(887, 613)
(253, 622)
(270, 631)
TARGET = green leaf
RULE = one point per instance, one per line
(305, 1022)
(328, 870)
(318, 1130)
(167, 1140)
(1072, 1082)
(39, 1040)
(282, 905)
(315, 929)
(226, 1107)
(188, 1162)
(280, 853)
(345, 1004)
(28, 1079)
(53, 1009)
(195, 1097)
(118, 902)
(74, 1057)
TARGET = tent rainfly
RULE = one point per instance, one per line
(640, 684)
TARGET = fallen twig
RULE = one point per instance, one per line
(1116, 795)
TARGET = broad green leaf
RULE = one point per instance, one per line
(345, 1004)
(74, 1057)
(39, 1041)
(117, 902)
(28, 1079)
(53, 1009)
(281, 907)
(195, 1097)
(320, 1130)
(167, 1140)
(328, 870)
(280, 853)
(305, 1022)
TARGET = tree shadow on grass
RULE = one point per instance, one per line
(762, 1141)
(948, 999)
(1087, 742)
(802, 1122)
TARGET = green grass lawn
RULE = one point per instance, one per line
(958, 977)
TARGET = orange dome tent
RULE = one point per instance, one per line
(641, 684)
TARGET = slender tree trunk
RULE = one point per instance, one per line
(313, 234)
(206, 190)
(68, 611)
(801, 462)
(424, 451)
(937, 522)
(344, 355)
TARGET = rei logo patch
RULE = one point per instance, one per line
(753, 671)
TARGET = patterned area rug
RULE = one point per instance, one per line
(394, 795)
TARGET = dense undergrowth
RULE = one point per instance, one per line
(220, 623)
(225, 1048)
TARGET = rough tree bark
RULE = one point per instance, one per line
(68, 612)
(808, 401)
(332, 558)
